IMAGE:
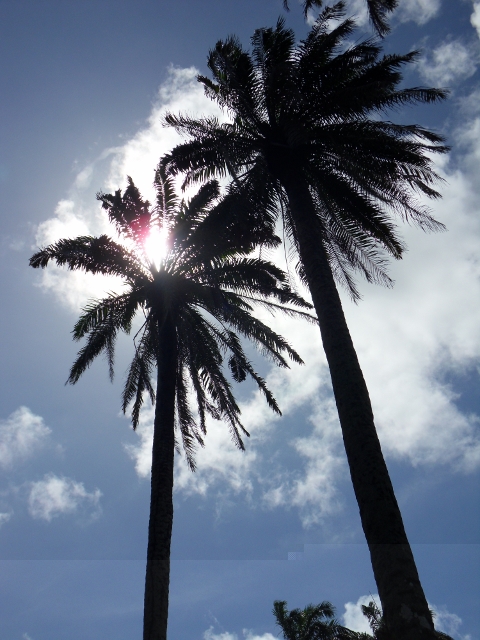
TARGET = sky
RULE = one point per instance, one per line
(85, 85)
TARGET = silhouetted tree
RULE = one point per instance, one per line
(195, 304)
(307, 141)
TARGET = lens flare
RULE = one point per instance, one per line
(156, 246)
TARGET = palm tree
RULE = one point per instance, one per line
(377, 10)
(377, 624)
(194, 304)
(307, 141)
(317, 622)
(314, 622)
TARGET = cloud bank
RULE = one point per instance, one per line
(449, 63)
(418, 11)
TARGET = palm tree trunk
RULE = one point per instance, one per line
(161, 501)
(404, 605)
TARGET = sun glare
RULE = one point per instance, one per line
(156, 246)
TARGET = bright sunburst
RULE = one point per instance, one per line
(156, 246)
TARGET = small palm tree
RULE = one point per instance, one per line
(314, 622)
(195, 304)
(317, 622)
(307, 141)
(377, 10)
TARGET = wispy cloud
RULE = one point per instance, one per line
(4, 517)
(448, 622)
(21, 434)
(246, 635)
(449, 63)
(56, 495)
(475, 17)
(419, 11)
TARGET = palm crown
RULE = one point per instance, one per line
(312, 110)
(205, 282)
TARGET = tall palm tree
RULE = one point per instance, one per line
(377, 10)
(307, 141)
(195, 303)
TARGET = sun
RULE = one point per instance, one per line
(156, 246)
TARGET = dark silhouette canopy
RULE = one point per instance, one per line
(196, 304)
(308, 141)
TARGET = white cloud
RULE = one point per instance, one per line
(445, 621)
(210, 635)
(475, 17)
(20, 435)
(141, 453)
(246, 635)
(467, 136)
(55, 495)
(353, 617)
(448, 622)
(219, 462)
(448, 63)
(359, 11)
(4, 517)
(313, 491)
(419, 11)
(73, 288)
(180, 93)
(428, 326)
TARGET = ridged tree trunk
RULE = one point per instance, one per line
(405, 609)
(161, 501)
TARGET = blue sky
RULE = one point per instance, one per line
(84, 87)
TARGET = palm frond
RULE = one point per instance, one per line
(378, 11)
(186, 424)
(130, 214)
(93, 255)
